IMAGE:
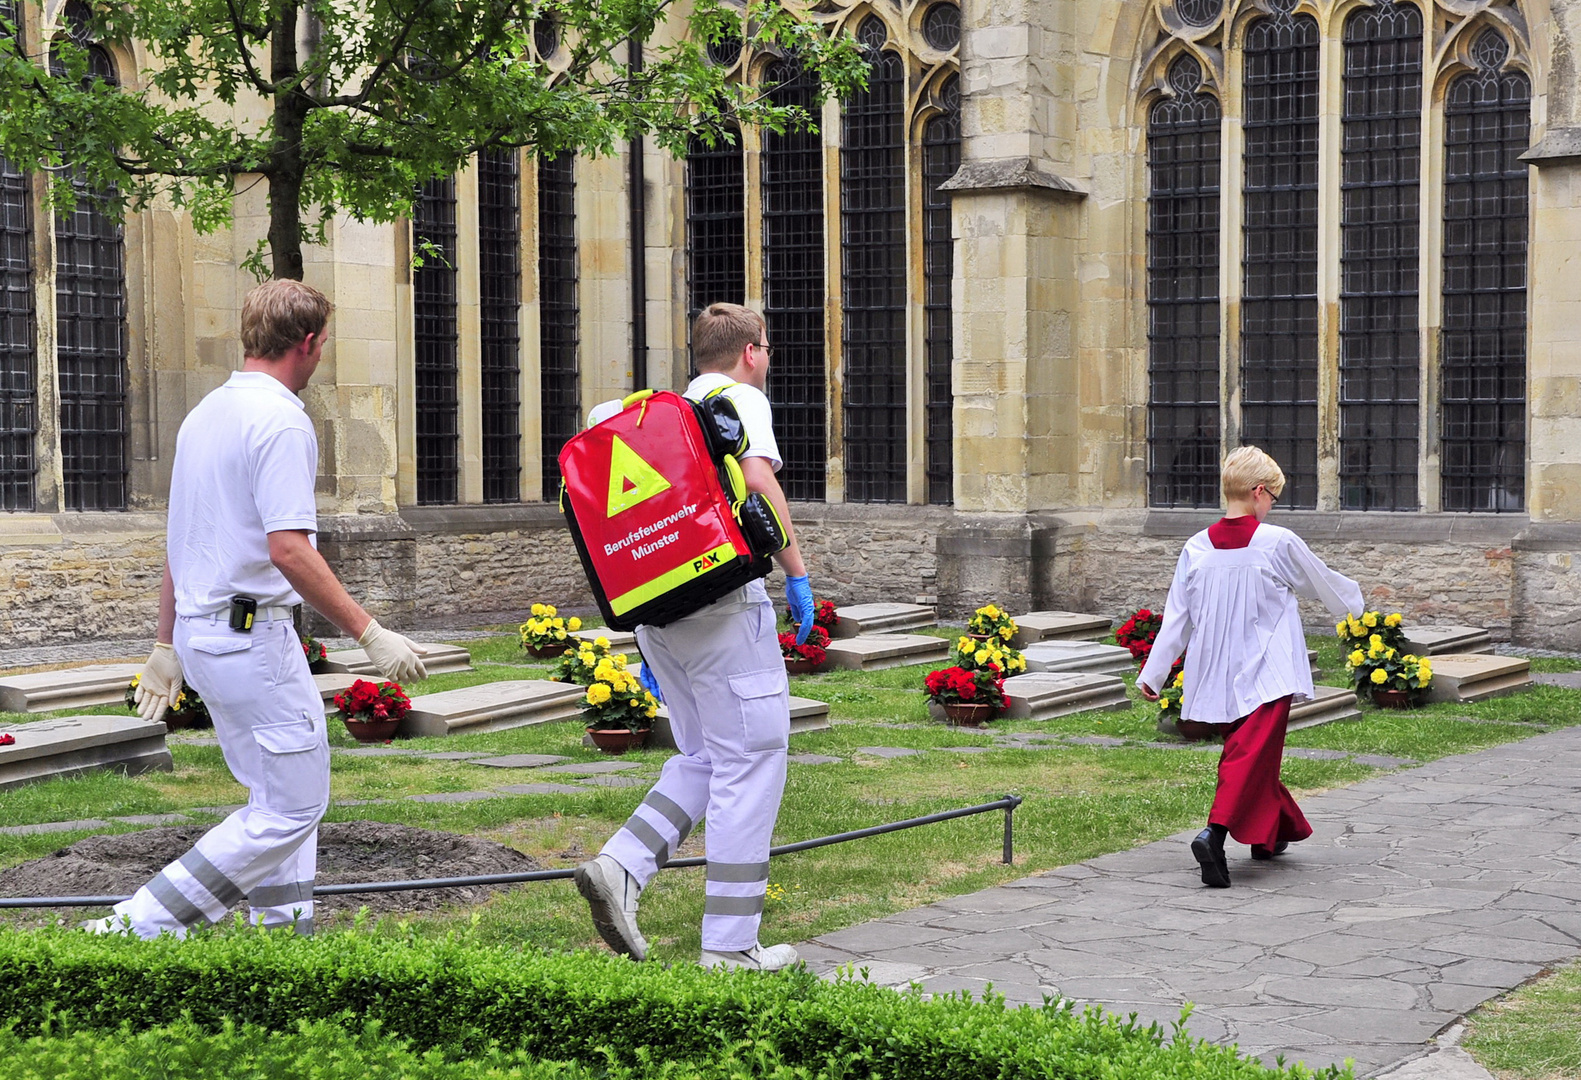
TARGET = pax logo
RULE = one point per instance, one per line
(707, 562)
(631, 480)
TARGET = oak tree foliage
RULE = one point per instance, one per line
(348, 105)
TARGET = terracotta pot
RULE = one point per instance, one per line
(968, 713)
(979, 637)
(1393, 699)
(799, 665)
(371, 731)
(618, 740)
(175, 721)
(549, 652)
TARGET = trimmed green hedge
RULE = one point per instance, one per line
(600, 1010)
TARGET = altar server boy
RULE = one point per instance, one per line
(1233, 601)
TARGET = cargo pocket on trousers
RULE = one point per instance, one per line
(293, 761)
(221, 646)
(765, 715)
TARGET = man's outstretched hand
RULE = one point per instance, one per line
(798, 594)
(397, 658)
(159, 682)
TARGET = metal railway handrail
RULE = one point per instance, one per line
(1008, 804)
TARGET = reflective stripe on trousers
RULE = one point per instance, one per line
(728, 698)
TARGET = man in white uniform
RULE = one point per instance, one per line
(240, 554)
(728, 698)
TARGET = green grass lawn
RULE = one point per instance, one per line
(1080, 802)
(1533, 1033)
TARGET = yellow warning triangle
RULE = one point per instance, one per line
(631, 480)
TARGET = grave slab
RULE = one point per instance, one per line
(437, 660)
(491, 707)
(620, 641)
(805, 715)
(1442, 640)
(1038, 626)
(330, 685)
(1045, 695)
(870, 652)
(1076, 655)
(70, 688)
(1476, 677)
(70, 745)
(1329, 704)
(859, 620)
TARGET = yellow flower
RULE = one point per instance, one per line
(1339, 629)
(1394, 620)
(651, 711)
(1370, 620)
(601, 641)
(1375, 652)
(1356, 658)
(598, 693)
(990, 610)
(574, 623)
(538, 610)
(1180, 679)
(1164, 703)
(137, 679)
(559, 635)
(982, 656)
(1007, 632)
(1389, 654)
(1380, 676)
(549, 609)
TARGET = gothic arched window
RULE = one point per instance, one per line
(1279, 307)
(499, 286)
(1183, 293)
(1380, 195)
(436, 339)
(1487, 118)
(941, 157)
(873, 250)
(560, 395)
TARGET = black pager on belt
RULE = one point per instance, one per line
(243, 610)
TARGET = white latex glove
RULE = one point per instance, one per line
(159, 683)
(397, 659)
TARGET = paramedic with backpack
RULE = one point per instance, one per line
(728, 698)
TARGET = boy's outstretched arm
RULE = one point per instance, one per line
(1310, 577)
(1173, 636)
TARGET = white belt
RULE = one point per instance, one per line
(264, 614)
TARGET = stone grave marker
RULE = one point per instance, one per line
(860, 620)
(491, 707)
(438, 660)
(620, 641)
(1441, 640)
(870, 652)
(69, 688)
(1077, 655)
(1038, 626)
(330, 685)
(68, 745)
(1047, 695)
(1477, 676)
(806, 715)
(1328, 705)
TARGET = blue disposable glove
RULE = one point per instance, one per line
(798, 594)
(650, 682)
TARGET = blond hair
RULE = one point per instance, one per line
(1248, 467)
(721, 332)
(278, 314)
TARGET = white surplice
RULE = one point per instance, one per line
(1236, 610)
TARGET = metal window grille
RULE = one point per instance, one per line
(1200, 12)
(941, 157)
(1183, 436)
(873, 250)
(794, 285)
(941, 26)
(1487, 118)
(560, 394)
(716, 225)
(436, 339)
(18, 356)
(499, 282)
(1380, 193)
(1279, 311)
(90, 299)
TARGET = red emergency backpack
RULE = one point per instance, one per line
(659, 510)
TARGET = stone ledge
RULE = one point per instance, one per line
(1011, 174)
(1564, 536)
(87, 527)
(1560, 146)
(1320, 525)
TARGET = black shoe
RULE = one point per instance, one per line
(1208, 850)
(1262, 851)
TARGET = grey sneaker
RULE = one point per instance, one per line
(612, 894)
(757, 958)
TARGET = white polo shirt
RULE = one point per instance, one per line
(750, 402)
(246, 462)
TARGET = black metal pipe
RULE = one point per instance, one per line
(635, 181)
(1007, 804)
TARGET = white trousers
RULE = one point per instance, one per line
(724, 683)
(270, 721)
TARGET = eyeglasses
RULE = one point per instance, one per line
(1272, 498)
(768, 350)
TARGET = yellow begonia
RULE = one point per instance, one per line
(601, 641)
(1356, 658)
(538, 610)
(1007, 632)
(559, 635)
(1180, 679)
(1164, 703)
(982, 656)
(1394, 620)
(1380, 676)
(573, 623)
(1369, 620)
(1339, 629)
(598, 693)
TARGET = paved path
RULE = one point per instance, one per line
(1422, 894)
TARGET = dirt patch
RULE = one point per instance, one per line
(348, 851)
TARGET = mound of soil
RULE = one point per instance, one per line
(348, 851)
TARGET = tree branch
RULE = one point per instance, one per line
(267, 89)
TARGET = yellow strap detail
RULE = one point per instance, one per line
(631, 399)
(738, 479)
(668, 582)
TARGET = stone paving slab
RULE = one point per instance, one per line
(888, 751)
(453, 797)
(1570, 680)
(1421, 894)
(520, 761)
(813, 759)
(542, 789)
(153, 819)
(616, 781)
(53, 826)
(591, 768)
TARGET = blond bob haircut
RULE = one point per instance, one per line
(277, 315)
(1248, 467)
(721, 332)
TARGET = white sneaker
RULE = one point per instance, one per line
(612, 894)
(110, 924)
(757, 958)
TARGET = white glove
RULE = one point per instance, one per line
(159, 682)
(396, 658)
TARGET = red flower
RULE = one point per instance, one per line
(366, 700)
(7, 740)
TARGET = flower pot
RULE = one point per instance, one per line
(371, 731)
(618, 740)
(549, 652)
(799, 665)
(176, 721)
(968, 713)
(1393, 699)
(319, 667)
